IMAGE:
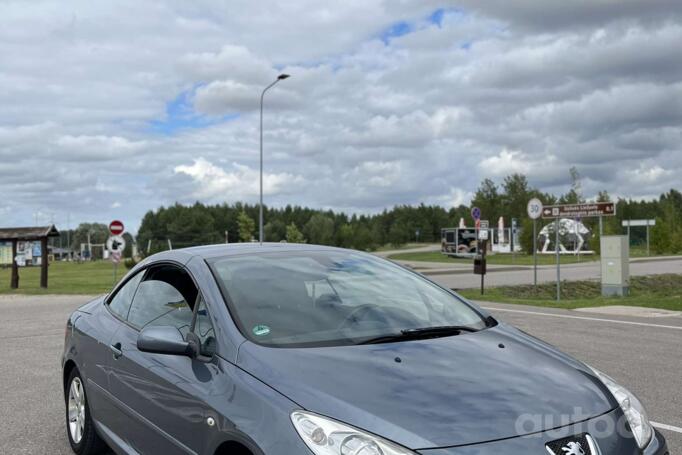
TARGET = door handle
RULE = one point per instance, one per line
(116, 350)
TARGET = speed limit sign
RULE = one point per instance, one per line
(535, 208)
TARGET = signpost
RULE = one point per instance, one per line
(574, 211)
(640, 223)
(480, 263)
(116, 258)
(579, 210)
(476, 215)
(534, 210)
(479, 259)
(512, 240)
(483, 226)
(116, 244)
(116, 227)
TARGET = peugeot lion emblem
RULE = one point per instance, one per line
(573, 448)
(581, 444)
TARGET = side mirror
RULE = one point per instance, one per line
(165, 340)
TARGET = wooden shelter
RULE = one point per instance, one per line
(28, 234)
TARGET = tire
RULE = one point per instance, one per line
(80, 429)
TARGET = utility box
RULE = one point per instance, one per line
(615, 265)
(480, 265)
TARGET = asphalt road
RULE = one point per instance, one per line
(645, 358)
(463, 278)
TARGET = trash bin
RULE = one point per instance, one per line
(480, 265)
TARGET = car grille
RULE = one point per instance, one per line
(570, 446)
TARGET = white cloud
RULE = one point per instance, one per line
(376, 174)
(98, 148)
(648, 174)
(226, 96)
(234, 62)
(214, 183)
(118, 102)
(507, 162)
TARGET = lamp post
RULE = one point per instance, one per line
(281, 77)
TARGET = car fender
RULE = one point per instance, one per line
(243, 398)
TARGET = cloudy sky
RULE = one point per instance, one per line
(108, 109)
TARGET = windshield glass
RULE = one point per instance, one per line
(322, 298)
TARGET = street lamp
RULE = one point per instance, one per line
(281, 77)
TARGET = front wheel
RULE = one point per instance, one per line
(79, 426)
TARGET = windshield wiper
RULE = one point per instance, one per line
(421, 333)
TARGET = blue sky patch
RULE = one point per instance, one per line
(437, 17)
(403, 28)
(180, 115)
(398, 29)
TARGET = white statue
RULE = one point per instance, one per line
(568, 228)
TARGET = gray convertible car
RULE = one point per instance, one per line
(281, 349)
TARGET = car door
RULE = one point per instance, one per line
(94, 334)
(162, 398)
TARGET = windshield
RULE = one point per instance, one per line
(322, 298)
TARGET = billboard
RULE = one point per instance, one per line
(5, 253)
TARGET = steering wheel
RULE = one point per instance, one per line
(361, 312)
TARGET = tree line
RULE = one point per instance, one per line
(200, 224)
(179, 226)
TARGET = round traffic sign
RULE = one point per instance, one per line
(116, 227)
(534, 208)
(476, 213)
(116, 244)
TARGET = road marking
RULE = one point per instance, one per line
(584, 318)
(663, 426)
(18, 337)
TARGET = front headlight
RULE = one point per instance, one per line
(632, 408)
(325, 436)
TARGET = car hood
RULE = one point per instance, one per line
(471, 388)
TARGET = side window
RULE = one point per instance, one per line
(121, 302)
(203, 329)
(164, 299)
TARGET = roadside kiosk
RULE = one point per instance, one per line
(28, 234)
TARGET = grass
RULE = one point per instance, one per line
(407, 246)
(656, 291)
(64, 278)
(496, 259)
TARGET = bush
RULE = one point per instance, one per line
(661, 237)
(130, 263)
(595, 241)
(526, 235)
(294, 235)
(676, 242)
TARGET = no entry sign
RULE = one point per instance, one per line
(116, 227)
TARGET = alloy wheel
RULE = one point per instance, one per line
(76, 406)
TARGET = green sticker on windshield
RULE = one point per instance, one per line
(261, 330)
